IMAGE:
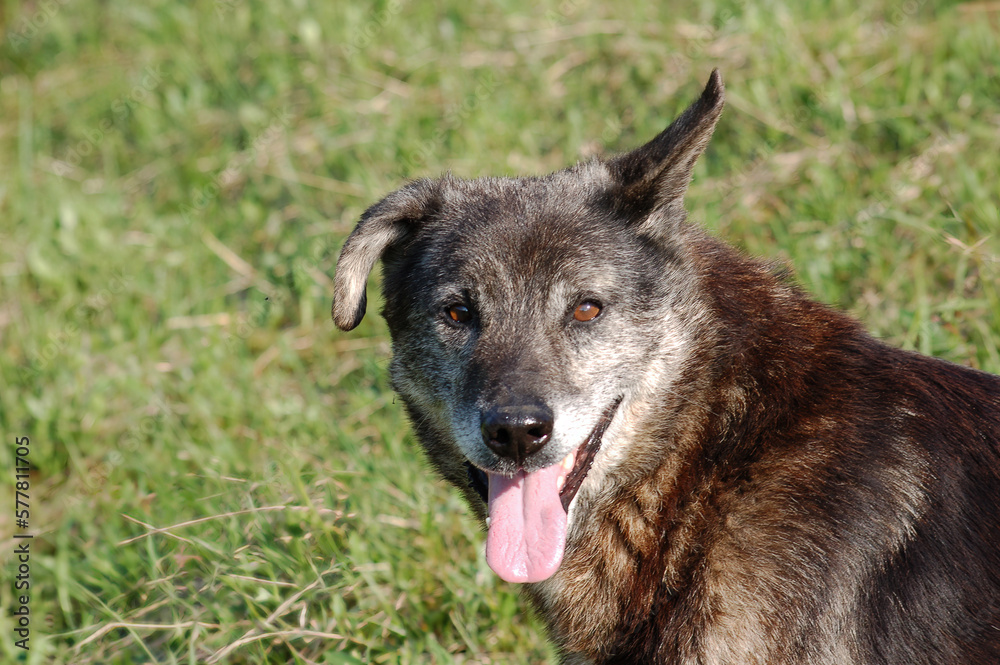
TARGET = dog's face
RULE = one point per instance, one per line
(512, 309)
(525, 314)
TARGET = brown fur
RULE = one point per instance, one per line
(776, 486)
(699, 552)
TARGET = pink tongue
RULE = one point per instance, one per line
(527, 531)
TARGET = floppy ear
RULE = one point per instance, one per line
(657, 174)
(382, 225)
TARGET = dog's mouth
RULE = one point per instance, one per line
(583, 457)
(528, 512)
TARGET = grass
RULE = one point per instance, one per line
(218, 474)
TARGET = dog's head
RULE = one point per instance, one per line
(526, 315)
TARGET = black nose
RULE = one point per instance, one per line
(517, 431)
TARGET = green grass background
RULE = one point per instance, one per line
(220, 475)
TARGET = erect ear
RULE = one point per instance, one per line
(382, 225)
(657, 174)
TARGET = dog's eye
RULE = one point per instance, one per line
(586, 311)
(459, 313)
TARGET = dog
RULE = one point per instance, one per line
(681, 456)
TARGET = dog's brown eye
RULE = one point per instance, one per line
(586, 311)
(459, 313)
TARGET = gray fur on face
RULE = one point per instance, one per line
(522, 254)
